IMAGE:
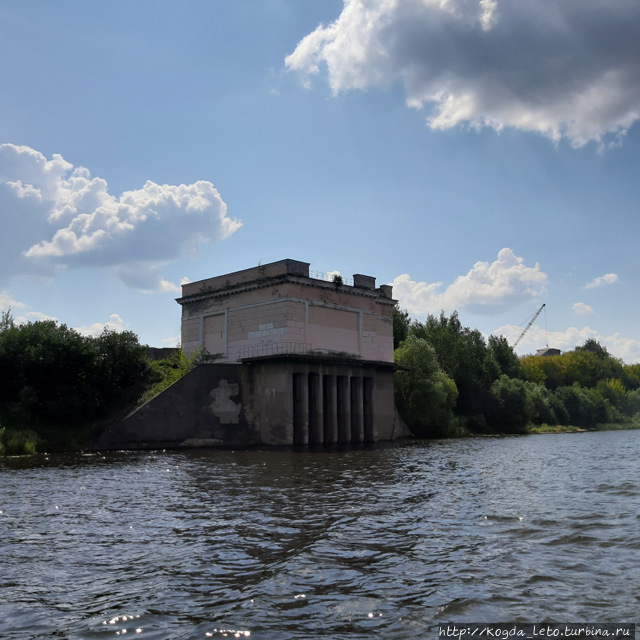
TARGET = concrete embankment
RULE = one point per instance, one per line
(278, 401)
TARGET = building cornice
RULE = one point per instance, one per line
(210, 293)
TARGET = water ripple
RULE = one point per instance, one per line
(385, 542)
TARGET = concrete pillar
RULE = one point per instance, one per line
(329, 409)
(357, 434)
(368, 409)
(300, 409)
(315, 409)
(342, 394)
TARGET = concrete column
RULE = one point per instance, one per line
(368, 409)
(315, 409)
(342, 394)
(329, 409)
(300, 409)
(357, 434)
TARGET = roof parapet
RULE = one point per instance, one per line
(364, 282)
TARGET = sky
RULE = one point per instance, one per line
(482, 156)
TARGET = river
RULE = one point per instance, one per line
(382, 542)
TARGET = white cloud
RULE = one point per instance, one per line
(563, 68)
(115, 323)
(628, 349)
(56, 216)
(173, 341)
(7, 302)
(608, 278)
(487, 288)
(34, 316)
(582, 309)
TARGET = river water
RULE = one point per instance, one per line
(381, 542)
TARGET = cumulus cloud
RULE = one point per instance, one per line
(582, 309)
(487, 288)
(608, 278)
(55, 215)
(562, 68)
(114, 323)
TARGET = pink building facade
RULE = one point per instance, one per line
(288, 359)
(279, 308)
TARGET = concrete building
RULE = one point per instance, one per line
(279, 308)
(291, 358)
(548, 352)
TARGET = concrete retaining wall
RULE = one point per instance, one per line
(277, 401)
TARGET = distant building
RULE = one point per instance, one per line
(546, 352)
(295, 358)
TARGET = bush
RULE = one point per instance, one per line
(18, 442)
(163, 373)
(633, 402)
(543, 405)
(425, 395)
(613, 390)
(513, 409)
(53, 375)
(580, 404)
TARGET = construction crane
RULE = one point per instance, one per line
(535, 315)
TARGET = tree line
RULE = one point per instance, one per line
(55, 381)
(451, 381)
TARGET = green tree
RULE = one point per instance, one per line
(425, 395)
(613, 390)
(631, 376)
(593, 346)
(580, 403)
(501, 359)
(590, 363)
(121, 369)
(545, 370)
(543, 405)
(401, 323)
(513, 409)
(465, 357)
(53, 375)
(633, 402)
(6, 320)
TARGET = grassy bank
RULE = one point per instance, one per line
(605, 426)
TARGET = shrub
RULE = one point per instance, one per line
(14, 442)
(580, 405)
(53, 375)
(514, 408)
(425, 395)
(163, 373)
(542, 404)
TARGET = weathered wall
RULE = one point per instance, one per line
(269, 401)
(295, 316)
(279, 309)
(204, 408)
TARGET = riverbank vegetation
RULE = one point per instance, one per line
(58, 384)
(451, 381)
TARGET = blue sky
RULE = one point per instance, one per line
(479, 155)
